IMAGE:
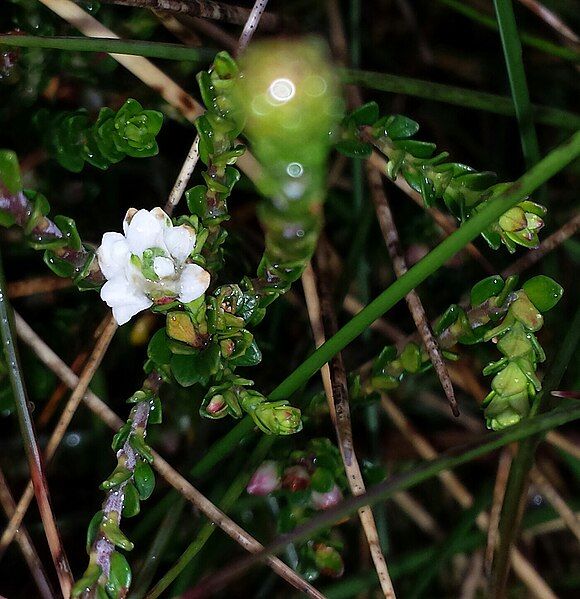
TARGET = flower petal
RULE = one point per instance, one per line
(145, 230)
(193, 282)
(122, 297)
(113, 254)
(163, 267)
(180, 241)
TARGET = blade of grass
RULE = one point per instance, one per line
(522, 463)
(529, 182)
(449, 547)
(528, 39)
(512, 50)
(457, 96)
(451, 459)
(112, 46)
(30, 443)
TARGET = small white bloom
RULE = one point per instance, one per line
(148, 263)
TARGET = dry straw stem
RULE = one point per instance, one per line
(66, 417)
(472, 580)
(501, 478)
(178, 482)
(391, 237)
(37, 285)
(25, 543)
(144, 70)
(445, 222)
(206, 9)
(523, 569)
(552, 19)
(556, 501)
(334, 379)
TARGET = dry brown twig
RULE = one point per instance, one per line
(552, 19)
(48, 357)
(501, 479)
(446, 223)
(65, 419)
(205, 9)
(523, 569)
(321, 316)
(25, 542)
(391, 237)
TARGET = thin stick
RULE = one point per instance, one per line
(193, 155)
(256, 17)
(525, 571)
(550, 243)
(503, 471)
(323, 320)
(93, 362)
(445, 222)
(31, 445)
(101, 410)
(183, 177)
(206, 9)
(37, 285)
(552, 19)
(25, 543)
(473, 578)
(391, 237)
(556, 501)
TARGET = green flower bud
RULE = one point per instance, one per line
(276, 418)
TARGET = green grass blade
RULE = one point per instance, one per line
(457, 96)
(112, 46)
(512, 49)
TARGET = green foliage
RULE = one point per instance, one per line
(72, 139)
(499, 312)
(464, 190)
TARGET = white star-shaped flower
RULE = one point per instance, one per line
(148, 264)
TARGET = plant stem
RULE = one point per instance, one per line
(37, 474)
(206, 9)
(457, 96)
(522, 463)
(112, 46)
(512, 50)
(382, 491)
(528, 39)
(523, 187)
(227, 502)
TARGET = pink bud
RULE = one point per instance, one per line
(295, 478)
(265, 480)
(322, 501)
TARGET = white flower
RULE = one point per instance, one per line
(148, 264)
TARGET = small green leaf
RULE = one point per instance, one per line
(87, 580)
(114, 534)
(354, 148)
(119, 475)
(366, 114)
(119, 576)
(155, 411)
(144, 479)
(411, 357)
(396, 127)
(197, 368)
(137, 442)
(158, 349)
(419, 149)
(543, 292)
(121, 436)
(131, 503)
(93, 529)
(10, 171)
(489, 287)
